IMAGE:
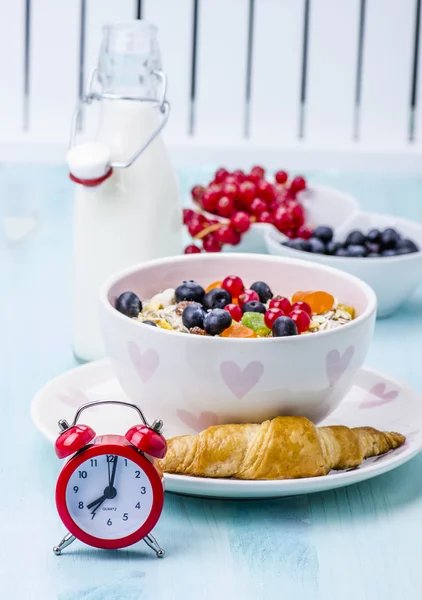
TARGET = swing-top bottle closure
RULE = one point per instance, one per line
(90, 163)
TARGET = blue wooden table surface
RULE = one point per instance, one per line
(362, 542)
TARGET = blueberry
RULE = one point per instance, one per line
(374, 236)
(355, 238)
(216, 298)
(389, 239)
(284, 326)
(297, 244)
(263, 290)
(129, 304)
(316, 246)
(389, 252)
(254, 306)
(333, 247)
(193, 316)
(217, 321)
(189, 290)
(408, 245)
(372, 247)
(325, 234)
(342, 252)
(149, 323)
(373, 255)
(356, 250)
(404, 250)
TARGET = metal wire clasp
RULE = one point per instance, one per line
(91, 95)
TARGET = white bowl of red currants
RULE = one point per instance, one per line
(235, 209)
(195, 379)
(382, 250)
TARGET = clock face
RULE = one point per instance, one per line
(109, 496)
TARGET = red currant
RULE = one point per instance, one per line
(187, 216)
(236, 238)
(240, 221)
(301, 306)
(231, 179)
(240, 175)
(304, 232)
(298, 184)
(265, 217)
(291, 233)
(225, 206)
(265, 190)
(195, 226)
(298, 214)
(302, 320)
(281, 177)
(247, 192)
(230, 190)
(281, 302)
(247, 296)
(226, 235)
(220, 175)
(257, 206)
(234, 285)
(235, 311)
(258, 171)
(283, 219)
(211, 244)
(192, 249)
(197, 192)
(209, 200)
(271, 315)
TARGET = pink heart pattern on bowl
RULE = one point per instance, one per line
(337, 364)
(379, 395)
(74, 398)
(241, 381)
(198, 422)
(145, 363)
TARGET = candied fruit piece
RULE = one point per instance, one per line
(320, 302)
(237, 330)
(348, 309)
(263, 332)
(216, 284)
(254, 321)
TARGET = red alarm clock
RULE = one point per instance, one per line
(109, 494)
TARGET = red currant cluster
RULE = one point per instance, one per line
(241, 199)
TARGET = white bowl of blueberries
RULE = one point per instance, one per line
(382, 250)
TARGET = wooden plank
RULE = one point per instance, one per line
(387, 71)
(221, 69)
(54, 66)
(12, 50)
(174, 21)
(332, 68)
(276, 70)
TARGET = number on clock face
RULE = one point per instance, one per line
(109, 511)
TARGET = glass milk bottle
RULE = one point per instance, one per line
(126, 194)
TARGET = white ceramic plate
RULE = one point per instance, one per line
(375, 400)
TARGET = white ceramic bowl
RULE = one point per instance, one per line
(393, 279)
(323, 206)
(192, 381)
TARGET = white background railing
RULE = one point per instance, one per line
(308, 83)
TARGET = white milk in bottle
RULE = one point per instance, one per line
(126, 195)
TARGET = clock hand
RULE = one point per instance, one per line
(97, 506)
(113, 474)
(98, 501)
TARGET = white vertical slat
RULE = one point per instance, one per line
(98, 14)
(174, 21)
(387, 71)
(12, 49)
(221, 70)
(276, 70)
(331, 72)
(54, 66)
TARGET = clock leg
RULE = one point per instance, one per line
(66, 541)
(154, 545)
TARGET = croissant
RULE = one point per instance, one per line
(283, 448)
